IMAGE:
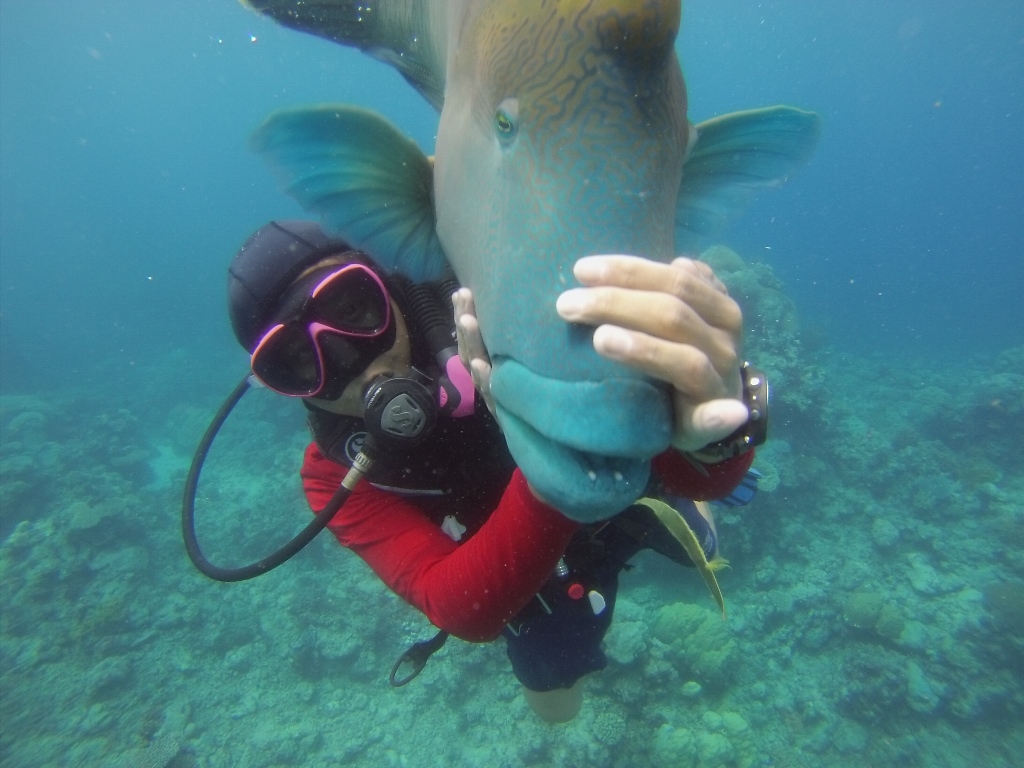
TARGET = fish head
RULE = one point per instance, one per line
(563, 134)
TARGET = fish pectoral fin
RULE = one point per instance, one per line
(396, 33)
(372, 186)
(735, 156)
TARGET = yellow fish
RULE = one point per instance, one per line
(683, 533)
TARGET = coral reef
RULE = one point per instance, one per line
(1005, 600)
(699, 640)
(771, 328)
(874, 592)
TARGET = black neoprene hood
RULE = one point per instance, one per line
(264, 267)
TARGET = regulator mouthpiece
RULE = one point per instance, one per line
(399, 413)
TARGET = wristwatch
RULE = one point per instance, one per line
(754, 432)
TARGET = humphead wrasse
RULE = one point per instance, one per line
(563, 133)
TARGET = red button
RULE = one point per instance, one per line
(576, 591)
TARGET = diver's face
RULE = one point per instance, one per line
(397, 361)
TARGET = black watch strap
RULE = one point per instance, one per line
(754, 432)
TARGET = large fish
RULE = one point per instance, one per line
(563, 133)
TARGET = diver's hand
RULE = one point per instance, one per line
(674, 322)
(472, 351)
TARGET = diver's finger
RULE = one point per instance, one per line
(685, 284)
(703, 269)
(652, 312)
(459, 307)
(685, 278)
(481, 373)
(698, 425)
(462, 301)
(460, 340)
(467, 330)
(470, 340)
(708, 372)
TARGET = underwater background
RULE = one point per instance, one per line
(876, 594)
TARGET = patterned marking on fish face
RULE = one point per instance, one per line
(563, 134)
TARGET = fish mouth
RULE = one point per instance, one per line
(585, 446)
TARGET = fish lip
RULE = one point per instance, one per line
(625, 417)
(585, 446)
(583, 486)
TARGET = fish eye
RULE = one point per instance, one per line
(503, 122)
(506, 120)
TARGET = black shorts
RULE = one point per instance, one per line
(556, 639)
(554, 650)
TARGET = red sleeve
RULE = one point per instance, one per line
(470, 589)
(681, 478)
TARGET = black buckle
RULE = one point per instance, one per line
(417, 655)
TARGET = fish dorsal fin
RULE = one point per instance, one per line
(397, 32)
(734, 157)
(372, 186)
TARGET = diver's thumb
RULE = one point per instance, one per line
(699, 425)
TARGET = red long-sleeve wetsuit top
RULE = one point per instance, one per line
(472, 588)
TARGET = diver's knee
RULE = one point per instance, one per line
(557, 706)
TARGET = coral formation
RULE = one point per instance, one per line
(1005, 600)
(771, 328)
(700, 641)
(863, 608)
(875, 594)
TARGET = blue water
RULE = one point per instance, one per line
(127, 184)
(125, 188)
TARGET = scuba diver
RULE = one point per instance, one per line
(446, 520)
